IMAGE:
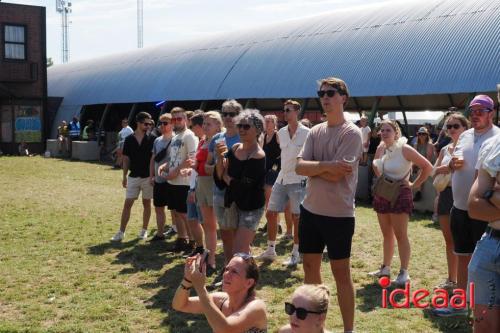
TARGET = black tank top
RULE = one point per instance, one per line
(273, 152)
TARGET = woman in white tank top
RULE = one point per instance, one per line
(393, 160)
(455, 125)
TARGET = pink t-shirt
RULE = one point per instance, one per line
(324, 143)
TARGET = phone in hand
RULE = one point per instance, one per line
(204, 259)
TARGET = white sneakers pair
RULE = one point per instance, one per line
(118, 237)
(270, 255)
(400, 280)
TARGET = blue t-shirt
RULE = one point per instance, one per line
(230, 142)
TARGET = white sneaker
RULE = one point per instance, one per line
(118, 237)
(269, 254)
(143, 234)
(402, 278)
(382, 271)
(293, 261)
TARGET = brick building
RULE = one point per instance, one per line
(23, 77)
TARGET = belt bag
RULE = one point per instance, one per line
(387, 189)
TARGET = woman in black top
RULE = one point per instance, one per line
(242, 171)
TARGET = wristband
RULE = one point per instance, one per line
(184, 287)
(188, 281)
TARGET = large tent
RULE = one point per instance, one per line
(400, 56)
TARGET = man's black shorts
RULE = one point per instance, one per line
(316, 231)
(178, 197)
(465, 231)
(161, 194)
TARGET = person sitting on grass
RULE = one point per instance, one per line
(236, 309)
(307, 310)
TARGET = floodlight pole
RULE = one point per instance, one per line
(140, 31)
(64, 8)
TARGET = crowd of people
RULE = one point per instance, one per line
(227, 170)
(68, 132)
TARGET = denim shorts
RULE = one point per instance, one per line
(249, 218)
(484, 271)
(227, 218)
(194, 212)
(282, 193)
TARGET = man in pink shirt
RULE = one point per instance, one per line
(330, 159)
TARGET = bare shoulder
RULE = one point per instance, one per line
(259, 154)
(285, 329)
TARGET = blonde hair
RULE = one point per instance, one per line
(317, 294)
(215, 115)
(460, 117)
(394, 126)
(165, 116)
(273, 118)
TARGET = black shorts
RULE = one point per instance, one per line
(161, 194)
(465, 231)
(316, 231)
(178, 196)
(445, 201)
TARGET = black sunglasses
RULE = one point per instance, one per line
(288, 110)
(147, 124)
(455, 126)
(246, 127)
(165, 123)
(301, 313)
(229, 114)
(329, 93)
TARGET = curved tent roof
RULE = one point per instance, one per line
(405, 48)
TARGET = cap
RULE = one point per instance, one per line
(484, 101)
(423, 130)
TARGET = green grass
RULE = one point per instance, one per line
(59, 273)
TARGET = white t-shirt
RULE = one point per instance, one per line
(462, 179)
(365, 134)
(290, 149)
(183, 144)
(124, 132)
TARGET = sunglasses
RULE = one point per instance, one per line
(229, 114)
(177, 119)
(480, 112)
(301, 313)
(329, 93)
(246, 127)
(419, 134)
(147, 124)
(288, 110)
(165, 123)
(455, 126)
(243, 255)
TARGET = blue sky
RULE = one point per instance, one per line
(100, 27)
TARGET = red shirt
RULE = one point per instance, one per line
(201, 159)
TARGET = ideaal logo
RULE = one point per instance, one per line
(440, 297)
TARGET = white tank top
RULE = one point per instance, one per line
(393, 164)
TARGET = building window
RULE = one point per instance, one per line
(15, 42)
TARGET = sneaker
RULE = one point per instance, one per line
(157, 238)
(191, 252)
(449, 312)
(263, 228)
(383, 271)
(446, 284)
(401, 279)
(286, 237)
(179, 245)
(269, 254)
(293, 261)
(118, 237)
(143, 234)
(170, 232)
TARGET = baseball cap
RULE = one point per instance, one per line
(423, 130)
(484, 101)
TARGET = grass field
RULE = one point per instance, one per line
(59, 272)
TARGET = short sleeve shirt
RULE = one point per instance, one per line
(183, 144)
(331, 143)
(290, 148)
(469, 144)
(139, 155)
(161, 143)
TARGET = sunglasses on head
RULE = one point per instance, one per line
(229, 114)
(455, 126)
(301, 313)
(243, 255)
(329, 93)
(246, 127)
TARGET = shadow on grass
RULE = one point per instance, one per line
(449, 325)
(370, 295)
(103, 248)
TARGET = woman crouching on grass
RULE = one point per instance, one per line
(307, 310)
(234, 310)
